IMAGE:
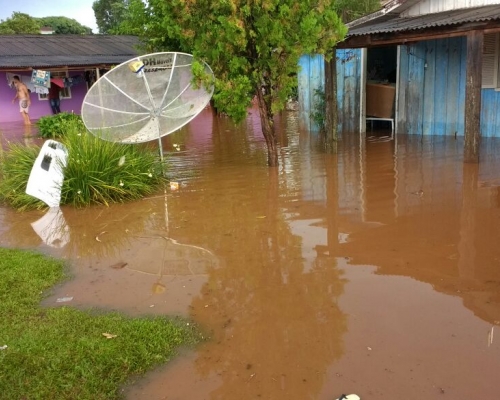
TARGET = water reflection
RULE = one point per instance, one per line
(334, 273)
(274, 306)
(427, 206)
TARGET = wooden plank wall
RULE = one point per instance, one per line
(432, 87)
(349, 89)
(431, 99)
(490, 118)
(311, 77)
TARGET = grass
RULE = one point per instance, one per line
(16, 168)
(97, 171)
(61, 353)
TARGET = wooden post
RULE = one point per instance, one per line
(331, 99)
(473, 96)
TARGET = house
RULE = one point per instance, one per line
(437, 59)
(46, 30)
(75, 60)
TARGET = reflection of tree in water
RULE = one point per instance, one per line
(279, 321)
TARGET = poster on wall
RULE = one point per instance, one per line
(40, 78)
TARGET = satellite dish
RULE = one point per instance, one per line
(145, 98)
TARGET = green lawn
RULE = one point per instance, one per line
(61, 353)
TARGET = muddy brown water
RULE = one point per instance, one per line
(373, 271)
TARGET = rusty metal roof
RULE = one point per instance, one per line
(21, 51)
(446, 18)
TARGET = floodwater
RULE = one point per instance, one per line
(373, 271)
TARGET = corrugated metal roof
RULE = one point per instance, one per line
(446, 18)
(18, 51)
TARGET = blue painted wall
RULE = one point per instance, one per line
(312, 77)
(490, 118)
(349, 89)
(431, 98)
(432, 90)
(432, 87)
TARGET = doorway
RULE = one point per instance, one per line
(381, 90)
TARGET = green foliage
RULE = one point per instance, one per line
(109, 14)
(55, 126)
(253, 48)
(64, 25)
(158, 23)
(61, 353)
(97, 172)
(19, 23)
(318, 111)
(261, 42)
(16, 167)
(349, 10)
(105, 172)
(250, 46)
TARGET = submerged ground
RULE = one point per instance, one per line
(374, 271)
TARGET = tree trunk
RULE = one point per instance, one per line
(267, 124)
(331, 119)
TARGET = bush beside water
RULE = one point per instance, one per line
(97, 172)
(55, 126)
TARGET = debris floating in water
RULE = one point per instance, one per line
(64, 299)
(349, 397)
(119, 265)
(97, 237)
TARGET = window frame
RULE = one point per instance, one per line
(65, 93)
(491, 65)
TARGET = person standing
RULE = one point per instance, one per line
(24, 98)
(54, 99)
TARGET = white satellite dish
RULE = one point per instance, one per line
(145, 98)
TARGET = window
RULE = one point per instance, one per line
(490, 61)
(65, 93)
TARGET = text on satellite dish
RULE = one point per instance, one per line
(159, 63)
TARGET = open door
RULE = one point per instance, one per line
(380, 90)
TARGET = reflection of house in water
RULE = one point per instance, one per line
(378, 173)
(412, 208)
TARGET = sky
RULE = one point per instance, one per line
(81, 10)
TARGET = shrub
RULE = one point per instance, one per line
(56, 126)
(318, 113)
(97, 172)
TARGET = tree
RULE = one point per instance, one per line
(109, 14)
(19, 23)
(64, 25)
(348, 10)
(252, 47)
(158, 24)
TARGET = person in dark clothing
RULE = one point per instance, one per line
(55, 102)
